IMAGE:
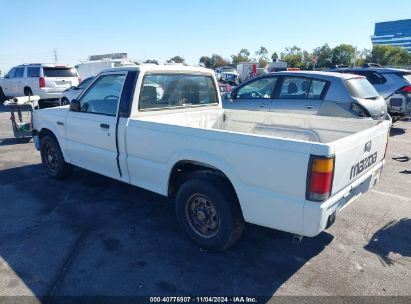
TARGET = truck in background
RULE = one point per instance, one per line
(246, 70)
(97, 63)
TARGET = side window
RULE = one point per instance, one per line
(258, 89)
(317, 88)
(177, 91)
(11, 73)
(103, 96)
(301, 88)
(19, 73)
(33, 72)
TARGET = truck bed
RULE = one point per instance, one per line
(315, 129)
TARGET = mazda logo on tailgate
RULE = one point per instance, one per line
(367, 147)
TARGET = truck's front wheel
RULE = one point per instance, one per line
(53, 159)
(209, 212)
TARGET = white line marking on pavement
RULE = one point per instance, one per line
(392, 195)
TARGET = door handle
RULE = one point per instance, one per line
(310, 106)
(262, 105)
(104, 126)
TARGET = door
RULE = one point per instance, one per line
(17, 82)
(91, 132)
(254, 95)
(301, 95)
(7, 82)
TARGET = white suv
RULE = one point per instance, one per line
(45, 80)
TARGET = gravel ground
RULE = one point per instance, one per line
(91, 235)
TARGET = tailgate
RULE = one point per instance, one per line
(355, 155)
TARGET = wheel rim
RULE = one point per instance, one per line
(65, 102)
(202, 216)
(50, 155)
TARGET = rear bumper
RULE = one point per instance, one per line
(46, 95)
(318, 216)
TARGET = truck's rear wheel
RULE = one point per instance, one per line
(209, 212)
(53, 159)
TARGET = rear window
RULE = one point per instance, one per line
(59, 72)
(177, 91)
(361, 88)
(33, 72)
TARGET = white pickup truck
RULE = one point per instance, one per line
(224, 167)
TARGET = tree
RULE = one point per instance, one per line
(151, 61)
(389, 55)
(343, 54)
(206, 61)
(274, 57)
(323, 55)
(293, 56)
(176, 59)
(361, 57)
(262, 56)
(218, 61)
(242, 56)
(214, 62)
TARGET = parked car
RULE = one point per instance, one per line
(48, 81)
(224, 88)
(223, 167)
(392, 84)
(227, 75)
(74, 91)
(320, 93)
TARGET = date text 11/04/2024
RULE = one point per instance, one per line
(203, 299)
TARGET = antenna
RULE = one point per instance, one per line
(55, 56)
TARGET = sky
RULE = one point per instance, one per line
(31, 30)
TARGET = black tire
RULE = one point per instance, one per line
(3, 97)
(53, 159)
(28, 92)
(216, 222)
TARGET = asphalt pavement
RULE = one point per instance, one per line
(91, 235)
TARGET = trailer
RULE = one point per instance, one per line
(21, 115)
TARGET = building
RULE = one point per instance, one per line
(395, 33)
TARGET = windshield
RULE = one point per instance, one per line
(229, 70)
(361, 88)
(59, 72)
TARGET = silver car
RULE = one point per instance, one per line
(392, 84)
(316, 93)
(74, 91)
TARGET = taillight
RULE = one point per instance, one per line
(79, 79)
(320, 178)
(406, 89)
(42, 82)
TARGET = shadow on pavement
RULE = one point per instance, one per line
(14, 141)
(397, 131)
(91, 235)
(393, 238)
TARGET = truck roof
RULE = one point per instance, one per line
(164, 68)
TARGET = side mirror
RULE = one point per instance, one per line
(75, 105)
